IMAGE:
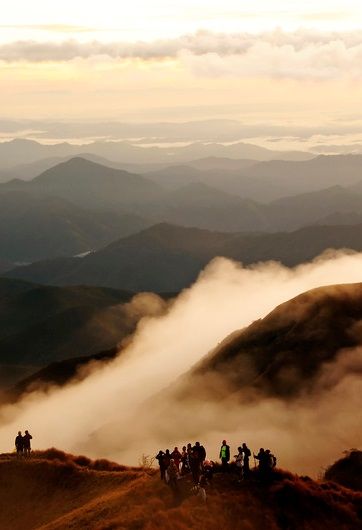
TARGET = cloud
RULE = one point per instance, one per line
(108, 414)
(302, 54)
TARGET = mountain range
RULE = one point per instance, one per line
(40, 324)
(167, 258)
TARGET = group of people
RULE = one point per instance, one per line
(192, 460)
(22, 444)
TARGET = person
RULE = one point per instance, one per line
(195, 464)
(270, 460)
(265, 463)
(239, 462)
(176, 456)
(161, 463)
(19, 444)
(26, 441)
(166, 462)
(208, 470)
(201, 451)
(185, 467)
(225, 455)
(246, 465)
(173, 475)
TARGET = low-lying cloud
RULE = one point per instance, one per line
(108, 413)
(301, 54)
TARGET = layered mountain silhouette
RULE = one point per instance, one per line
(40, 325)
(34, 227)
(283, 353)
(167, 258)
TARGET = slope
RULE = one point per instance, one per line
(41, 324)
(55, 491)
(167, 258)
(38, 227)
(90, 185)
(284, 353)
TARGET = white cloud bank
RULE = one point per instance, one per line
(301, 54)
(101, 415)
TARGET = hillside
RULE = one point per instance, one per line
(283, 354)
(40, 325)
(90, 185)
(39, 227)
(175, 255)
(54, 490)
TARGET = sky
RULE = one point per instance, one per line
(276, 61)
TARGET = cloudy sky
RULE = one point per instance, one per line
(279, 61)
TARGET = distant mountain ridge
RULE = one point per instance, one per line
(167, 258)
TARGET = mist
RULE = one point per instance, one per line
(108, 413)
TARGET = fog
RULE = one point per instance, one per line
(107, 414)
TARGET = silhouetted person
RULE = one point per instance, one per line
(239, 462)
(185, 466)
(225, 455)
(195, 464)
(19, 444)
(270, 460)
(161, 463)
(26, 441)
(208, 470)
(176, 456)
(201, 451)
(173, 475)
(246, 465)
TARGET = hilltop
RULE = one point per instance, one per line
(54, 490)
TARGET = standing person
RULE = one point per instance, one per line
(26, 440)
(160, 458)
(246, 465)
(195, 464)
(176, 456)
(19, 444)
(224, 455)
(239, 462)
(185, 468)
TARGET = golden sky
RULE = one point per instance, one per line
(141, 60)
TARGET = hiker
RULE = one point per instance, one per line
(19, 444)
(176, 456)
(201, 451)
(161, 463)
(173, 475)
(246, 465)
(26, 441)
(239, 462)
(166, 462)
(195, 464)
(185, 467)
(264, 461)
(225, 455)
(270, 460)
(208, 470)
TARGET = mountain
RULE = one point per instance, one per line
(290, 213)
(283, 354)
(200, 205)
(22, 151)
(167, 258)
(347, 471)
(265, 181)
(90, 185)
(37, 227)
(39, 325)
(57, 490)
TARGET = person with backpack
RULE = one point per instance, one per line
(246, 464)
(176, 456)
(224, 455)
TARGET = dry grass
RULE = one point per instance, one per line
(54, 490)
